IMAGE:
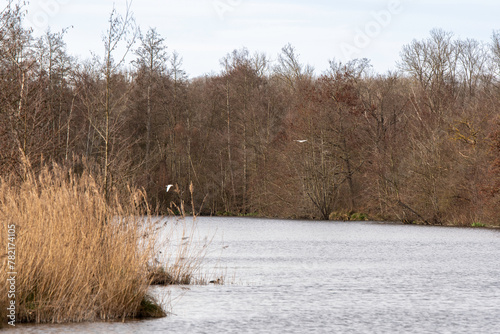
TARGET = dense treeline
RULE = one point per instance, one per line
(272, 138)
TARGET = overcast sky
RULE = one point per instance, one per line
(204, 31)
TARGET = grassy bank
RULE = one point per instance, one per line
(77, 256)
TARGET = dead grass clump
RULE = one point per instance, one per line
(78, 257)
(181, 253)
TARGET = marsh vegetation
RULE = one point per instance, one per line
(80, 257)
(88, 146)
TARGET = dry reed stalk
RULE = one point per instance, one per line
(182, 254)
(182, 248)
(78, 258)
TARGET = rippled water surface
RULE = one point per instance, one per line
(331, 277)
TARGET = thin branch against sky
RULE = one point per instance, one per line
(204, 31)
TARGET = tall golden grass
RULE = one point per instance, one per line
(78, 257)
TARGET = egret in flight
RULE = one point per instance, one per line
(300, 140)
(168, 187)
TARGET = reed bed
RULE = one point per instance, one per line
(78, 257)
(180, 253)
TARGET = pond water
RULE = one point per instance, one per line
(295, 276)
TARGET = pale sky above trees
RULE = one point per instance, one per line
(204, 31)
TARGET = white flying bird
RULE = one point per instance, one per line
(168, 187)
(300, 140)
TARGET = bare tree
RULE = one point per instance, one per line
(16, 68)
(289, 68)
(54, 66)
(433, 63)
(121, 32)
(495, 50)
(152, 58)
(473, 59)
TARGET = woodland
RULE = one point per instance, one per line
(266, 136)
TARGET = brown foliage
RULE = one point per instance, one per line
(262, 137)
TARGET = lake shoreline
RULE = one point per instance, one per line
(391, 222)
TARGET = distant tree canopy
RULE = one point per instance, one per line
(262, 137)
